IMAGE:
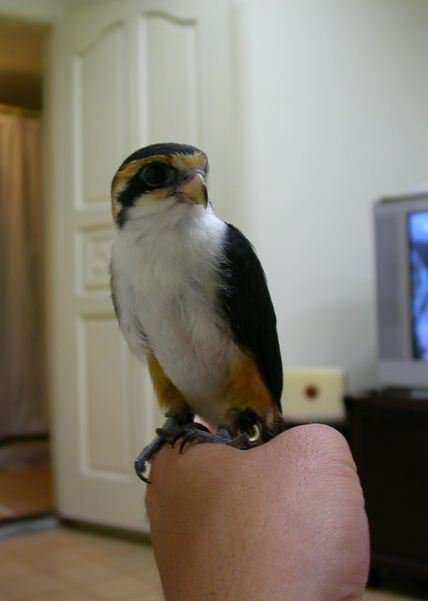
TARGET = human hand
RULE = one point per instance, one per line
(284, 521)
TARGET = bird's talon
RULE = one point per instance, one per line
(175, 439)
(140, 467)
(187, 438)
(254, 435)
(200, 427)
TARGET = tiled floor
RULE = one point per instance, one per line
(68, 565)
(71, 565)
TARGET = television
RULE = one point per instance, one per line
(401, 232)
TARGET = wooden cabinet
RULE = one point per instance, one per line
(389, 439)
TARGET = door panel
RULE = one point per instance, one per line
(100, 115)
(173, 86)
(123, 74)
(105, 442)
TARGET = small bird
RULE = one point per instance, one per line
(191, 298)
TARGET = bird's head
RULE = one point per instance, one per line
(156, 178)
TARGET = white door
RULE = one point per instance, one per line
(122, 75)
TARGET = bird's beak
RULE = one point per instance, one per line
(193, 190)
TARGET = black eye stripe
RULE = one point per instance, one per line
(157, 175)
(145, 181)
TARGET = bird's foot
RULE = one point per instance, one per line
(169, 431)
(147, 455)
(173, 431)
(195, 433)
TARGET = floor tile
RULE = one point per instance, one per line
(67, 564)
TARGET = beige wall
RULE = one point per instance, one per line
(331, 107)
(21, 63)
(32, 10)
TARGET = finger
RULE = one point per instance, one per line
(174, 473)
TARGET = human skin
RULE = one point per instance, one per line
(282, 522)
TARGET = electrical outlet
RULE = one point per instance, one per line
(314, 394)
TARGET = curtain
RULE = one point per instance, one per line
(23, 403)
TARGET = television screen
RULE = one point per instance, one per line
(418, 241)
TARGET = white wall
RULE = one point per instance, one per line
(332, 115)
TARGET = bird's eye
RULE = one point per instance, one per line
(158, 175)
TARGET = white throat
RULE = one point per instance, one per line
(166, 269)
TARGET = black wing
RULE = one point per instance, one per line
(246, 302)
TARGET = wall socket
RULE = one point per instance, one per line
(314, 394)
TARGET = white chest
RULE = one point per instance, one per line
(167, 284)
